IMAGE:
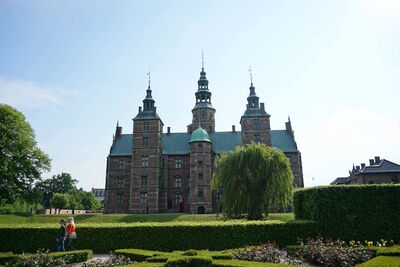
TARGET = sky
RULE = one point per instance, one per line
(76, 67)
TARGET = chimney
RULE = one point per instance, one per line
(362, 166)
(233, 129)
(371, 162)
(377, 160)
(140, 109)
(358, 168)
(262, 106)
(168, 130)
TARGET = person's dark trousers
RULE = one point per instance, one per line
(69, 244)
(60, 244)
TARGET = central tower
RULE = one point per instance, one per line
(203, 110)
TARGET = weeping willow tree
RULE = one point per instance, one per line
(252, 178)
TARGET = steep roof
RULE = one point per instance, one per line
(383, 166)
(178, 143)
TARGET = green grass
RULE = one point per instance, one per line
(125, 218)
(382, 261)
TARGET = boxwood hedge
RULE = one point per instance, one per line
(352, 212)
(102, 238)
(68, 256)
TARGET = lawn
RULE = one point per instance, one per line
(126, 218)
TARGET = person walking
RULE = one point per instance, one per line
(61, 237)
(71, 234)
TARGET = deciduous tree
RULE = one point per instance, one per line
(252, 178)
(21, 161)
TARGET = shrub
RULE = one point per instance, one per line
(388, 251)
(73, 256)
(8, 257)
(184, 261)
(332, 253)
(240, 263)
(352, 212)
(381, 261)
(55, 258)
(114, 260)
(269, 252)
(190, 252)
(102, 238)
(159, 258)
(137, 254)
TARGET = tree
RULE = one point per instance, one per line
(61, 183)
(60, 201)
(252, 178)
(89, 202)
(21, 161)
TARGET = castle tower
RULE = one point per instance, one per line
(200, 171)
(146, 158)
(255, 121)
(203, 110)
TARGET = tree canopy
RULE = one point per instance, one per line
(61, 183)
(251, 179)
(21, 161)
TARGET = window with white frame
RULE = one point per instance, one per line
(143, 197)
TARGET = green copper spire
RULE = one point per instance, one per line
(203, 95)
(199, 135)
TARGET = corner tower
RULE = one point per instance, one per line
(146, 158)
(255, 121)
(203, 110)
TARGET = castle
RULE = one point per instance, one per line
(149, 171)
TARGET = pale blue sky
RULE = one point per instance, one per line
(76, 67)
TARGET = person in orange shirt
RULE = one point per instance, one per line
(71, 234)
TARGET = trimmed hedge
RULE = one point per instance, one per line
(388, 251)
(352, 212)
(68, 256)
(8, 257)
(103, 238)
(73, 256)
(382, 261)
(185, 261)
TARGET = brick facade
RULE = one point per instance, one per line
(144, 177)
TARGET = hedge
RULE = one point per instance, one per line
(8, 257)
(381, 261)
(102, 238)
(352, 212)
(68, 256)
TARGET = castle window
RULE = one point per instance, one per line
(200, 193)
(200, 164)
(199, 145)
(178, 198)
(120, 182)
(178, 164)
(143, 181)
(145, 126)
(178, 181)
(145, 161)
(257, 138)
(203, 114)
(143, 197)
(200, 176)
(120, 199)
(256, 124)
(145, 141)
(122, 164)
